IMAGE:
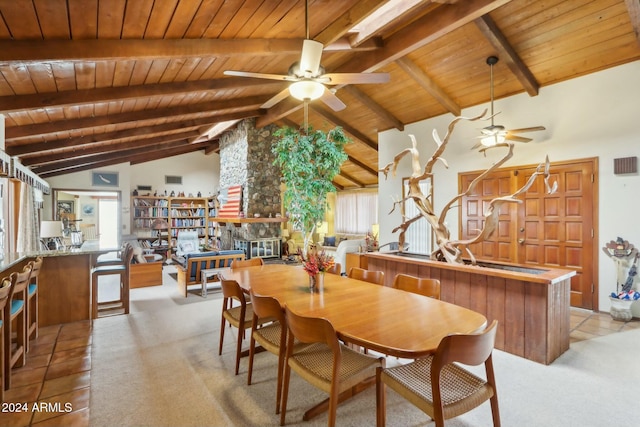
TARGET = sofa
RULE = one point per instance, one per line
(190, 265)
(344, 244)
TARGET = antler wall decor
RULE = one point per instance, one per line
(450, 250)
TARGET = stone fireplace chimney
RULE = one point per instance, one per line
(246, 159)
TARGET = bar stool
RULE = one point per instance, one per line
(5, 290)
(122, 270)
(32, 301)
(14, 310)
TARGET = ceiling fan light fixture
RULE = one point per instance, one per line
(310, 58)
(492, 140)
(306, 89)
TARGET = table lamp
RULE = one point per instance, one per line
(50, 234)
(322, 230)
(285, 234)
(159, 225)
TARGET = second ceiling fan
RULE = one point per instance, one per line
(496, 134)
(308, 78)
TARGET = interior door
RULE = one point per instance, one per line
(556, 230)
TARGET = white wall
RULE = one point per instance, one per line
(200, 172)
(592, 116)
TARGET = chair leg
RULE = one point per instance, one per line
(252, 350)
(222, 325)
(380, 399)
(279, 386)
(6, 351)
(285, 392)
(21, 334)
(239, 349)
(94, 296)
(2, 359)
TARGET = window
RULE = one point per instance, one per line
(419, 234)
(356, 212)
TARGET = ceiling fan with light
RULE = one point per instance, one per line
(496, 134)
(308, 78)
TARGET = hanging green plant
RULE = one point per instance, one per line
(309, 162)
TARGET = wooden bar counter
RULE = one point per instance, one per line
(64, 282)
(530, 304)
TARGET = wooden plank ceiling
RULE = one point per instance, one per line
(90, 83)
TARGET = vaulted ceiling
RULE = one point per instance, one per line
(89, 83)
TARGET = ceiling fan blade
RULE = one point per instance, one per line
(517, 138)
(281, 77)
(354, 78)
(332, 100)
(276, 98)
(310, 58)
(531, 129)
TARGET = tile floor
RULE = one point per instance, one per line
(57, 376)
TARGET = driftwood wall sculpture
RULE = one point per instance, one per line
(450, 250)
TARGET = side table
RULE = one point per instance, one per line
(209, 273)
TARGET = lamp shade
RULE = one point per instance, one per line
(306, 89)
(50, 229)
(285, 233)
(323, 228)
(160, 224)
(375, 229)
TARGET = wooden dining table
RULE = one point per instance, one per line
(380, 318)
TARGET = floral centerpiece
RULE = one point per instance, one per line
(315, 264)
(371, 240)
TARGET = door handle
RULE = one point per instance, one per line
(521, 241)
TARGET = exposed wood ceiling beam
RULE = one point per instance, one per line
(33, 159)
(346, 126)
(633, 7)
(38, 51)
(347, 20)
(79, 97)
(425, 30)
(277, 112)
(248, 103)
(352, 179)
(213, 148)
(374, 107)
(363, 166)
(429, 85)
(17, 150)
(91, 162)
(508, 54)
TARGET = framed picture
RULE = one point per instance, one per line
(88, 209)
(64, 207)
(104, 179)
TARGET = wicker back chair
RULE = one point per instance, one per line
(421, 286)
(371, 276)
(325, 363)
(335, 269)
(444, 390)
(237, 263)
(239, 316)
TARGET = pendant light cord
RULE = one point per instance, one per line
(306, 17)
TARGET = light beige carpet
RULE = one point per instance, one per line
(159, 366)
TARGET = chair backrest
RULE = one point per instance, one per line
(265, 307)
(35, 269)
(311, 330)
(335, 269)
(238, 263)
(187, 242)
(468, 349)
(5, 291)
(232, 290)
(417, 285)
(371, 276)
(19, 282)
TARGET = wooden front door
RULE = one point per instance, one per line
(552, 230)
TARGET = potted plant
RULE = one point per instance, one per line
(309, 161)
(622, 253)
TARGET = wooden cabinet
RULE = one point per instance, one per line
(356, 260)
(180, 213)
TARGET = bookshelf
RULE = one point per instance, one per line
(180, 213)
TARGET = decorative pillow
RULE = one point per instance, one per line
(187, 247)
(137, 254)
(329, 241)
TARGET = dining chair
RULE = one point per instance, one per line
(269, 335)
(5, 290)
(335, 269)
(371, 276)
(237, 263)
(240, 316)
(443, 389)
(32, 301)
(326, 363)
(122, 270)
(14, 313)
(417, 285)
